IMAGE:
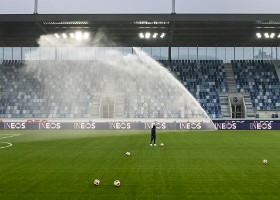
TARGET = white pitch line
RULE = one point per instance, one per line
(9, 136)
(8, 143)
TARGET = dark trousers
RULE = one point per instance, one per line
(153, 138)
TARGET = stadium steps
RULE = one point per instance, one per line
(119, 105)
(96, 106)
(232, 88)
(225, 109)
(110, 86)
(276, 64)
(249, 106)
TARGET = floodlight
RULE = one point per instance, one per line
(86, 35)
(141, 35)
(278, 35)
(72, 35)
(56, 35)
(259, 35)
(162, 35)
(266, 35)
(78, 35)
(272, 35)
(155, 35)
(147, 35)
(64, 35)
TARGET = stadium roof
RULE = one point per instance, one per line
(124, 29)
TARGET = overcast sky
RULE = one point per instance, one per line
(138, 6)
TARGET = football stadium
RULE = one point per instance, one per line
(80, 93)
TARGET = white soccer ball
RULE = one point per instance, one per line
(161, 144)
(117, 183)
(96, 182)
(264, 161)
(127, 153)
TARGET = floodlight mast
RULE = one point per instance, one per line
(171, 33)
(35, 7)
(173, 7)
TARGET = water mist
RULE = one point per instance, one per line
(137, 87)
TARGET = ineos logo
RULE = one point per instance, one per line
(49, 125)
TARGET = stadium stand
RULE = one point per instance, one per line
(205, 79)
(259, 78)
(23, 94)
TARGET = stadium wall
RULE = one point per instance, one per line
(139, 125)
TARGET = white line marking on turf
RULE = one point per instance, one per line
(8, 144)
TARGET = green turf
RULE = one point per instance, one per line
(192, 165)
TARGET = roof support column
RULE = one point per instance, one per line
(169, 54)
(170, 42)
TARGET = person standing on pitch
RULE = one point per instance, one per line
(153, 136)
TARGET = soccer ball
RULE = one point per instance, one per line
(127, 153)
(264, 161)
(161, 144)
(96, 182)
(117, 183)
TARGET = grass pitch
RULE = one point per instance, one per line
(192, 165)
